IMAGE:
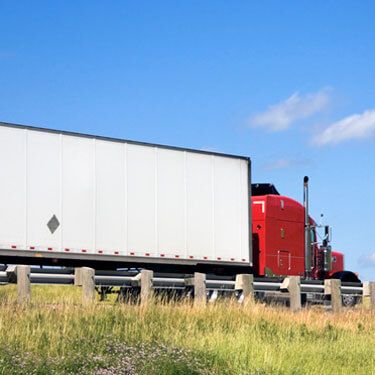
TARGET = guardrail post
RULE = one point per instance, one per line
(23, 284)
(245, 282)
(292, 284)
(88, 285)
(78, 276)
(332, 287)
(369, 291)
(146, 286)
(200, 295)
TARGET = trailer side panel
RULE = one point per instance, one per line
(67, 194)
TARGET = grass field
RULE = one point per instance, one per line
(57, 335)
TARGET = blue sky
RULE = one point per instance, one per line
(290, 84)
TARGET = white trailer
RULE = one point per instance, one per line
(68, 198)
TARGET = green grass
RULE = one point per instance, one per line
(55, 334)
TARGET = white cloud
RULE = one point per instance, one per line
(358, 126)
(284, 163)
(282, 115)
(367, 260)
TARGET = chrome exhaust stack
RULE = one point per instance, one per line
(307, 228)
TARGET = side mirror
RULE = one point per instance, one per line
(328, 233)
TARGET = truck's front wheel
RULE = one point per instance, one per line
(349, 300)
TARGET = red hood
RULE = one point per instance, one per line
(337, 262)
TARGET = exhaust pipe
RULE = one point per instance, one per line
(307, 228)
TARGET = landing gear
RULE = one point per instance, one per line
(103, 292)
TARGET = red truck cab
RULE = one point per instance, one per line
(278, 235)
(278, 230)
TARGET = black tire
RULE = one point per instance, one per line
(350, 300)
(346, 276)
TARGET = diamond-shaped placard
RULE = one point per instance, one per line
(53, 224)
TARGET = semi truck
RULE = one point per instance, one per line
(69, 199)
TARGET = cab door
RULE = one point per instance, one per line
(283, 262)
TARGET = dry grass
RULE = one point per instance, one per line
(57, 335)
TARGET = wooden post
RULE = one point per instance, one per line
(245, 282)
(332, 287)
(88, 285)
(146, 286)
(369, 291)
(292, 284)
(200, 297)
(23, 284)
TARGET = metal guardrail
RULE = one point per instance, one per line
(127, 279)
(138, 286)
